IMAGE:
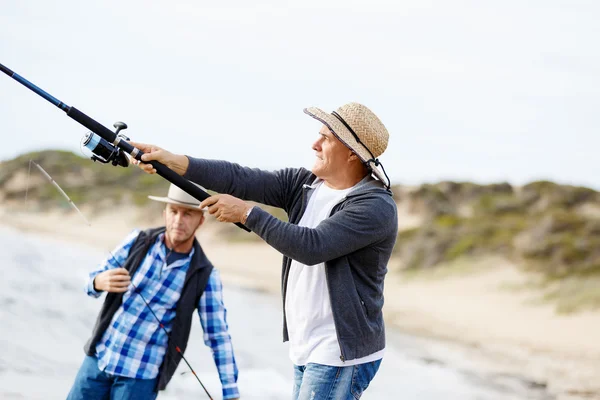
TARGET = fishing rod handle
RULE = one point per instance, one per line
(183, 183)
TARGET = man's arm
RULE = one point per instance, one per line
(211, 310)
(120, 254)
(273, 188)
(359, 224)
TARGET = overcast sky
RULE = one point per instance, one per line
(484, 91)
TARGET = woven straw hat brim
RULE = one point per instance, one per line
(177, 202)
(345, 136)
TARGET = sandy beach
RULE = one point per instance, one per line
(501, 331)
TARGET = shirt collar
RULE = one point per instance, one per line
(161, 254)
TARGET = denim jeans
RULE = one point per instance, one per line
(93, 384)
(322, 382)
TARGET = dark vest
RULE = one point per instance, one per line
(193, 287)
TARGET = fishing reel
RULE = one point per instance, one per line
(106, 152)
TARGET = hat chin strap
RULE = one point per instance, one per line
(378, 163)
(373, 159)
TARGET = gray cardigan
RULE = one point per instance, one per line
(355, 242)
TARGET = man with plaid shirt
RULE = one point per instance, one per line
(154, 281)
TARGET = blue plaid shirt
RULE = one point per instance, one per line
(134, 345)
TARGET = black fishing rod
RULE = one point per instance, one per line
(108, 146)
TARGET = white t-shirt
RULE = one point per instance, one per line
(311, 330)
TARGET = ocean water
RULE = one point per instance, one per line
(45, 319)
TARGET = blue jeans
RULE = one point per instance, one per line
(93, 384)
(322, 382)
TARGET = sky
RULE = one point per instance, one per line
(482, 91)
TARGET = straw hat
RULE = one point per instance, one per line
(179, 197)
(360, 130)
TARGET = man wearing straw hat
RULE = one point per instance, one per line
(154, 281)
(336, 246)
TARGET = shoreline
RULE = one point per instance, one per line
(497, 331)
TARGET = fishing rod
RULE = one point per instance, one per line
(109, 146)
(53, 182)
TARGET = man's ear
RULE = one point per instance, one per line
(202, 218)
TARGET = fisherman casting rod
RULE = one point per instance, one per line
(107, 145)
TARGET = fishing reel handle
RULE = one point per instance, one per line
(106, 152)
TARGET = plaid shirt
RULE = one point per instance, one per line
(134, 345)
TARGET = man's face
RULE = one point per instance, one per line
(332, 155)
(182, 222)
